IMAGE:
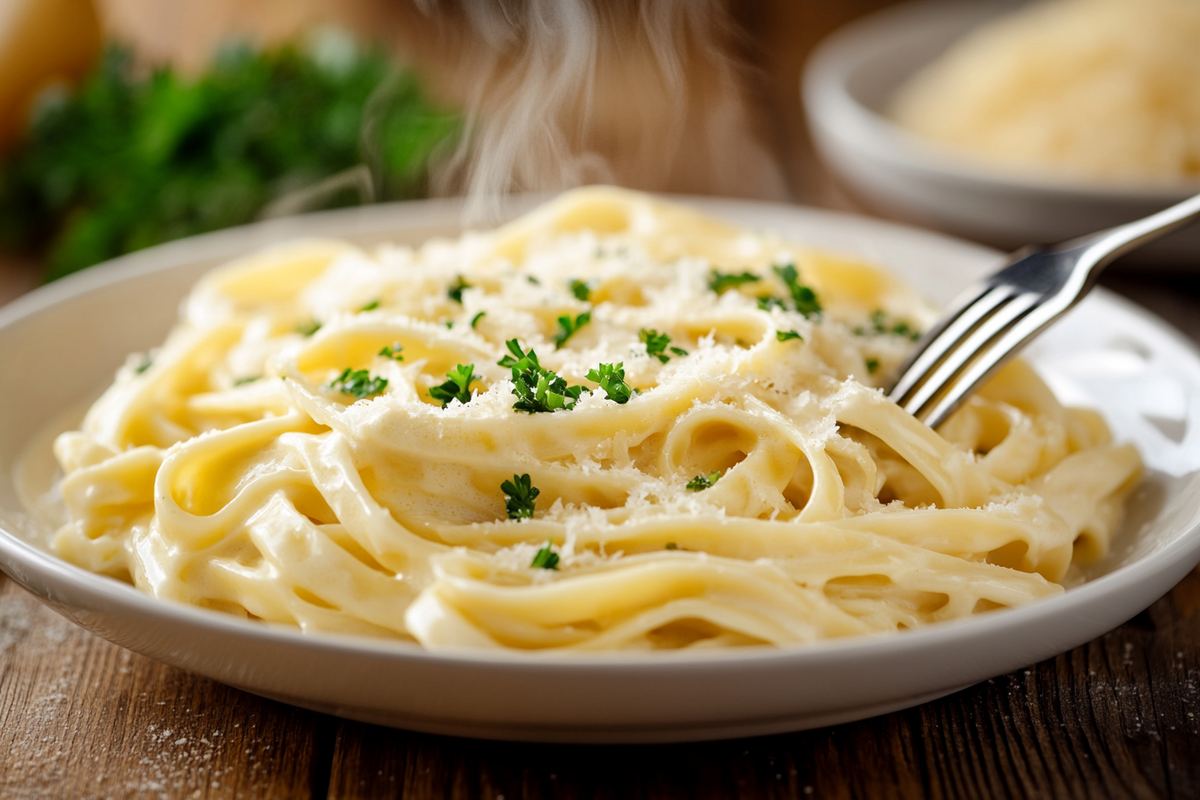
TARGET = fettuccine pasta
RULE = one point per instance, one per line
(614, 424)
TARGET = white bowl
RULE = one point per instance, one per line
(62, 343)
(847, 85)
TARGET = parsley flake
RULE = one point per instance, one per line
(244, 381)
(581, 289)
(371, 306)
(881, 324)
(393, 351)
(721, 282)
(475, 319)
(546, 558)
(657, 344)
(519, 496)
(537, 388)
(872, 365)
(702, 482)
(308, 328)
(568, 328)
(611, 378)
(803, 297)
(785, 336)
(457, 385)
(146, 364)
(672, 546)
(456, 289)
(358, 382)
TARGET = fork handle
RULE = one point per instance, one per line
(1103, 247)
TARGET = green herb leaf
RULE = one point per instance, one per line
(519, 357)
(769, 302)
(657, 344)
(881, 324)
(393, 351)
(702, 482)
(537, 388)
(456, 289)
(785, 336)
(721, 282)
(533, 280)
(134, 157)
(872, 365)
(803, 297)
(611, 378)
(358, 382)
(546, 558)
(568, 328)
(475, 319)
(244, 381)
(371, 306)
(519, 496)
(672, 546)
(457, 385)
(308, 328)
(581, 289)
(146, 364)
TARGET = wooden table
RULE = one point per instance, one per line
(1118, 717)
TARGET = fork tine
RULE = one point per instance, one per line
(989, 362)
(966, 350)
(969, 309)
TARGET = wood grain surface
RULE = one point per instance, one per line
(1116, 718)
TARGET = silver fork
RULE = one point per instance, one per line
(988, 323)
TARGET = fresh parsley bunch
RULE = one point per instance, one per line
(134, 159)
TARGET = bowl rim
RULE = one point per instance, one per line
(830, 104)
(108, 593)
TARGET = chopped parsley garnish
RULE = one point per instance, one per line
(537, 388)
(769, 302)
(244, 381)
(785, 336)
(657, 344)
(308, 328)
(803, 297)
(393, 351)
(449, 323)
(519, 496)
(358, 382)
(146, 364)
(519, 358)
(475, 319)
(872, 365)
(568, 328)
(880, 324)
(456, 289)
(533, 280)
(672, 546)
(457, 385)
(611, 378)
(546, 558)
(702, 482)
(721, 282)
(581, 289)
(371, 306)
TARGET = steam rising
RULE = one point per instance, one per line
(559, 93)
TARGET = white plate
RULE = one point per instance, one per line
(848, 83)
(59, 345)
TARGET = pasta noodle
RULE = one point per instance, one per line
(612, 424)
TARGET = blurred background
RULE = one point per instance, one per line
(126, 123)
